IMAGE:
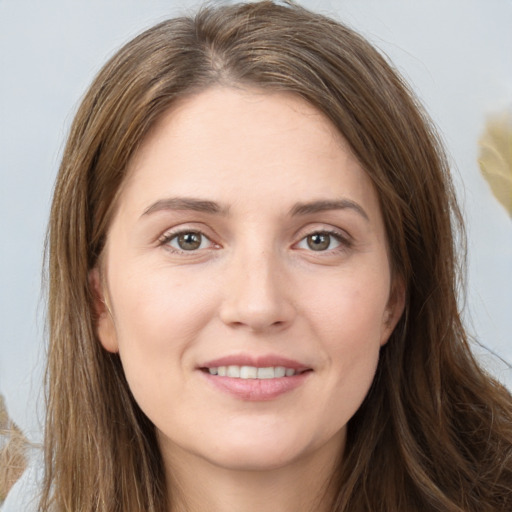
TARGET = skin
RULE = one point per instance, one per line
(254, 287)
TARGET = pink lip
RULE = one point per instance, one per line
(255, 389)
(265, 361)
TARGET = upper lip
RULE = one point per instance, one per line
(263, 361)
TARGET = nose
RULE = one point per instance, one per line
(257, 294)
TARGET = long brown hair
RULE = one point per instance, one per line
(434, 432)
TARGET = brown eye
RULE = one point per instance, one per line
(188, 241)
(319, 241)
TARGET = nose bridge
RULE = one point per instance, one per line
(255, 294)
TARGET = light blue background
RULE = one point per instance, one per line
(457, 56)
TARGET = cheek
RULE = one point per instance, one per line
(158, 317)
(353, 348)
(349, 317)
(159, 307)
(351, 307)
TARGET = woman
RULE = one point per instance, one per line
(253, 284)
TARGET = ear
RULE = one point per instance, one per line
(104, 322)
(394, 309)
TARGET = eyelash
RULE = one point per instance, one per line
(167, 238)
(343, 240)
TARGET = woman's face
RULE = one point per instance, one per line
(247, 281)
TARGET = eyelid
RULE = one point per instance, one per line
(345, 239)
(170, 234)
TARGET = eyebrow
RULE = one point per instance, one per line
(211, 207)
(187, 203)
(325, 205)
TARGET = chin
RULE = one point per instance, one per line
(254, 458)
(257, 451)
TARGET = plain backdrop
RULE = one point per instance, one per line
(457, 55)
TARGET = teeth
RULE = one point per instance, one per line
(248, 372)
(280, 371)
(266, 373)
(251, 372)
(233, 371)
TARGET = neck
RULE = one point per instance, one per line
(196, 484)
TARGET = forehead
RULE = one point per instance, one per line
(243, 145)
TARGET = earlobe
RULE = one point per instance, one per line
(103, 320)
(394, 309)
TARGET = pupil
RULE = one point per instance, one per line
(189, 241)
(319, 241)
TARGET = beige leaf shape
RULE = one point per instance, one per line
(495, 157)
(13, 445)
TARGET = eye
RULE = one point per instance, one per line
(320, 241)
(187, 241)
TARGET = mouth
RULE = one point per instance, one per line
(255, 378)
(254, 372)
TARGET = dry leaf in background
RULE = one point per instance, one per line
(496, 157)
(12, 452)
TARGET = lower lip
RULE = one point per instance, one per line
(256, 390)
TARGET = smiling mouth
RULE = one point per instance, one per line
(253, 372)
(264, 380)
